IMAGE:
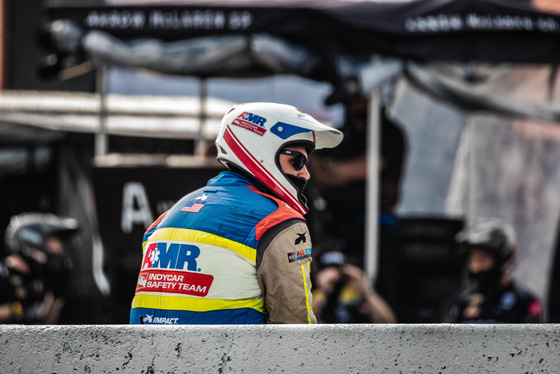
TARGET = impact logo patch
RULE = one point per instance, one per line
(299, 255)
(251, 122)
(150, 319)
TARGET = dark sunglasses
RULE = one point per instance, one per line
(299, 160)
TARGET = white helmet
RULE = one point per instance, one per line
(252, 135)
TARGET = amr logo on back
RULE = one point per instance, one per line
(163, 270)
(162, 255)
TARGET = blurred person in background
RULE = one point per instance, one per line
(492, 296)
(238, 251)
(340, 175)
(342, 293)
(35, 270)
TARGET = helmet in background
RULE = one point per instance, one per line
(495, 237)
(492, 235)
(252, 135)
(27, 233)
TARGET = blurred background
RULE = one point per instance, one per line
(98, 127)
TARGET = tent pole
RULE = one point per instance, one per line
(101, 135)
(201, 143)
(372, 184)
(471, 204)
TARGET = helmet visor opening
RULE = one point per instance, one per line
(298, 160)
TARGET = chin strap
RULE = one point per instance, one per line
(299, 184)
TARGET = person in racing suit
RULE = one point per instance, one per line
(35, 269)
(238, 250)
(492, 296)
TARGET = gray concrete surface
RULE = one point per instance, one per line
(281, 349)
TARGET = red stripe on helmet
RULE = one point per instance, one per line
(259, 171)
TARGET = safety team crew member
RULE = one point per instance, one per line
(238, 251)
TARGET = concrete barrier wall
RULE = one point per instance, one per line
(281, 349)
